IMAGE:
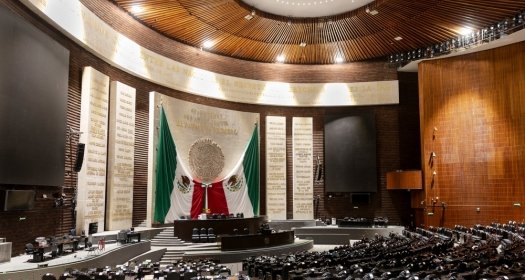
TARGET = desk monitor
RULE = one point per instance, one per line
(12, 200)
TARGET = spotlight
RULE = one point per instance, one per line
(207, 44)
(136, 9)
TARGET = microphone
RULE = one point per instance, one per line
(74, 131)
(318, 170)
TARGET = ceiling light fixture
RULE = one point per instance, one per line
(471, 37)
(465, 31)
(374, 12)
(207, 44)
(398, 38)
(338, 59)
(280, 58)
(136, 9)
(302, 44)
(248, 17)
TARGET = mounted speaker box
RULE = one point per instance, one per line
(80, 156)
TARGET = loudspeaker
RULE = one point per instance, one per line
(80, 156)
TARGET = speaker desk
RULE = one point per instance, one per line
(5, 251)
(183, 228)
(254, 241)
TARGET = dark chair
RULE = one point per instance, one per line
(195, 236)
(173, 275)
(54, 250)
(48, 276)
(90, 248)
(122, 237)
(101, 276)
(203, 235)
(224, 271)
(190, 274)
(83, 276)
(211, 235)
(30, 249)
(65, 276)
(37, 255)
(119, 276)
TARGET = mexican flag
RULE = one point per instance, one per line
(179, 195)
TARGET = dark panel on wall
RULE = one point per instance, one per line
(350, 153)
(33, 98)
(409, 137)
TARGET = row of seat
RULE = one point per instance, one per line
(207, 235)
(204, 235)
(418, 254)
(177, 271)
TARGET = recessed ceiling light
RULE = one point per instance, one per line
(207, 44)
(338, 59)
(248, 17)
(136, 9)
(280, 58)
(398, 38)
(374, 12)
(302, 44)
(465, 31)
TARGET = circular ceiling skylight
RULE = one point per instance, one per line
(306, 8)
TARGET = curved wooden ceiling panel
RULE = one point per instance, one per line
(353, 36)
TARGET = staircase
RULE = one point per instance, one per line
(166, 239)
(174, 246)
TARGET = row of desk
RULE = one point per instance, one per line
(230, 239)
(57, 247)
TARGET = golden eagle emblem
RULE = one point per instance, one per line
(234, 183)
(183, 184)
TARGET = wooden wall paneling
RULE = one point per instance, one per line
(400, 180)
(140, 183)
(475, 102)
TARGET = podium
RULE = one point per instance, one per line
(6, 249)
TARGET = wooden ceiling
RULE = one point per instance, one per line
(354, 36)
